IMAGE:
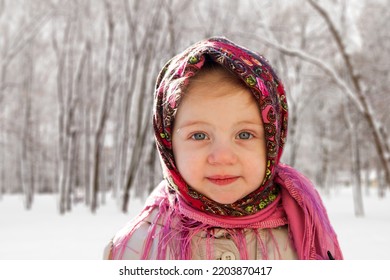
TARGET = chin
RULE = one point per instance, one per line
(225, 201)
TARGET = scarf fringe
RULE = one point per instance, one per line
(304, 206)
(177, 227)
(177, 243)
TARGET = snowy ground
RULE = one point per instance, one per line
(43, 234)
(366, 238)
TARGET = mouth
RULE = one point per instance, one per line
(222, 180)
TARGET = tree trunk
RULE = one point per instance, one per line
(367, 182)
(129, 96)
(357, 186)
(87, 119)
(322, 178)
(355, 160)
(141, 131)
(26, 161)
(102, 117)
(62, 141)
(381, 184)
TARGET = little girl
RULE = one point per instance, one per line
(220, 121)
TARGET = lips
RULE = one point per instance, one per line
(222, 180)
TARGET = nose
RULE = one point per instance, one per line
(223, 153)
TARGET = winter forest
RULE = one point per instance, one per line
(77, 78)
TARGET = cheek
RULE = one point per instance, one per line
(188, 161)
(190, 170)
(255, 166)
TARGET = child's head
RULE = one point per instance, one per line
(220, 121)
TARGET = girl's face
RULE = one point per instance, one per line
(218, 138)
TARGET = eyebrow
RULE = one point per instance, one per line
(191, 123)
(196, 122)
(251, 123)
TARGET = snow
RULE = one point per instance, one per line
(42, 233)
(361, 238)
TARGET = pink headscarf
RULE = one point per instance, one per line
(284, 197)
(266, 88)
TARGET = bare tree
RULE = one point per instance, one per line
(140, 126)
(377, 129)
(26, 163)
(87, 107)
(127, 93)
(22, 39)
(67, 103)
(373, 62)
(108, 89)
(69, 86)
(352, 125)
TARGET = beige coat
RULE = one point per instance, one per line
(224, 247)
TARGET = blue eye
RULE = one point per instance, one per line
(198, 136)
(245, 135)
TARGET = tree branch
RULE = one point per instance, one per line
(330, 71)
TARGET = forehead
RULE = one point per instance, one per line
(213, 97)
(216, 82)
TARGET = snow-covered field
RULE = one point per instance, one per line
(42, 233)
